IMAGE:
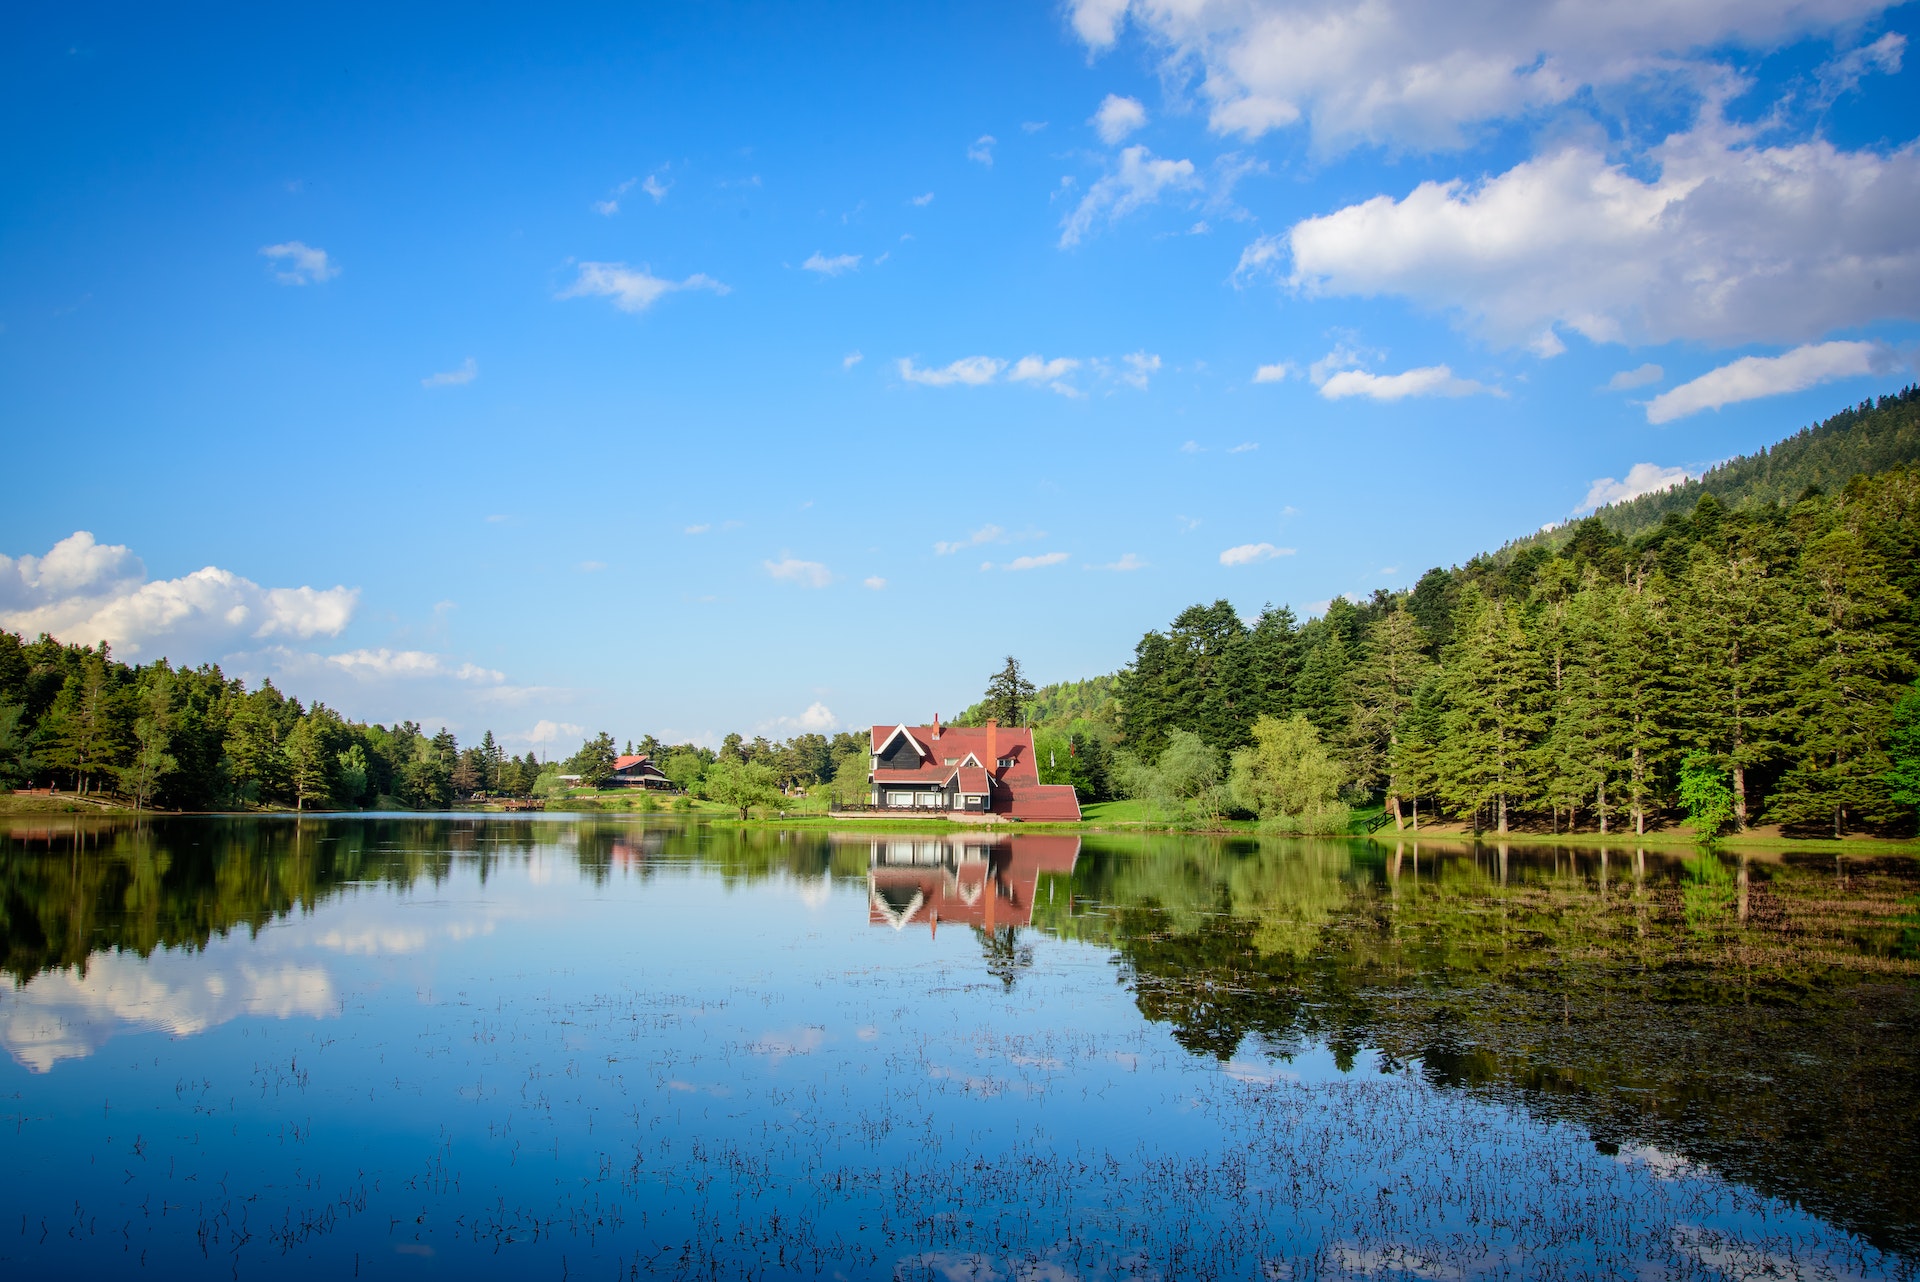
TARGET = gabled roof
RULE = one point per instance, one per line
(880, 745)
(628, 762)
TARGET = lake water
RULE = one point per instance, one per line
(557, 1047)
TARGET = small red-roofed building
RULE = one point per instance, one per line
(636, 770)
(989, 770)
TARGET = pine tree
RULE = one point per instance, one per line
(1392, 668)
(1008, 694)
(1491, 677)
(1842, 687)
(306, 753)
(81, 723)
(1731, 639)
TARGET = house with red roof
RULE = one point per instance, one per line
(636, 770)
(988, 770)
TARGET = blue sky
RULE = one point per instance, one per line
(696, 368)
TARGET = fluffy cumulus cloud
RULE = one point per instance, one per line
(84, 591)
(1717, 239)
(1118, 117)
(831, 266)
(1048, 373)
(1411, 74)
(1752, 377)
(633, 289)
(296, 263)
(1642, 478)
(808, 574)
(1252, 554)
(1278, 372)
(1138, 178)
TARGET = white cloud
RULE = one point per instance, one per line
(874, 582)
(1118, 117)
(819, 262)
(1126, 564)
(1193, 447)
(1752, 377)
(1428, 380)
(985, 534)
(468, 371)
(1407, 73)
(299, 264)
(384, 664)
(1547, 344)
(1040, 562)
(1252, 553)
(851, 359)
(545, 732)
(1140, 365)
(923, 200)
(1844, 72)
(968, 371)
(655, 188)
(808, 574)
(592, 567)
(1642, 478)
(1279, 372)
(1036, 369)
(82, 591)
(1245, 447)
(611, 205)
(1261, 258)
(1726, 243)
(1628, 379)
(1140, 179)
(698, 529)
(981, 149)
(632, 289)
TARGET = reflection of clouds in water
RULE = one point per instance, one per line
(540, 869)
(804, 1040)
(389, 941)
(1659, 1163)
(1257, 1072)
(814, 891)
(970, 1266)
(1732, 1258)
(1392, 1259)
(64, 1014)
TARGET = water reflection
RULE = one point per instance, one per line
(989, 883)
(1700, 1024)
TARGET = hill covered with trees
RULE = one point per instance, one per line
(1745, 659)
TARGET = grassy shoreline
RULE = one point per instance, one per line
(1118, 818)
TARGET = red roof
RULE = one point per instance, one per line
(1016, 790)
(622, 763)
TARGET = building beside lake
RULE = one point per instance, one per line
(980, 770)
(637, 770)
(993, 883)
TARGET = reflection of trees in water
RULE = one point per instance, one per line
(1760, 1019)
(1005, 954)
(68, 891)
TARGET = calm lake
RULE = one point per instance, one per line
(556, 1047)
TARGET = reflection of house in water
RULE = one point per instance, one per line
(972, 881)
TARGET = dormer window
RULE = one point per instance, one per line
(951, 761)
(1005, 762)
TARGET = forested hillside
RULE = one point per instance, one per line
(1750, 663)
(1870, 438)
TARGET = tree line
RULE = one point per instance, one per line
(1740, 665)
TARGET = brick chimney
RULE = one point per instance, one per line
(993, 743)
(936, 725)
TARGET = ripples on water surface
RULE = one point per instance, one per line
(551, 1047)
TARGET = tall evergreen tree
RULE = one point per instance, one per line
(1008, 694)
(1391, 670)
(1491, 677)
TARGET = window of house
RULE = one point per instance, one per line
(1005, 762)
